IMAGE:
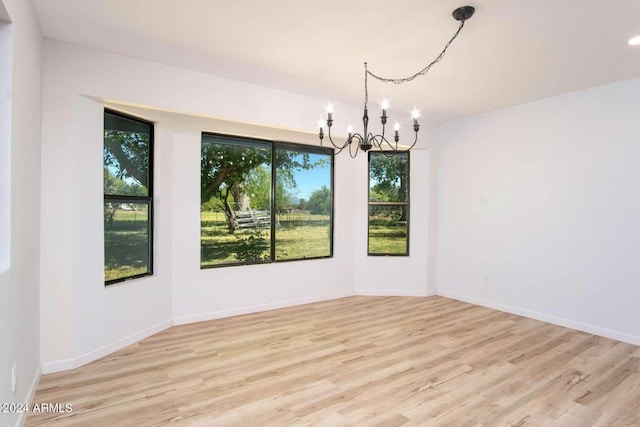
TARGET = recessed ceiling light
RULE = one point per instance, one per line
(634, 41)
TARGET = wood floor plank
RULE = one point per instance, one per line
(356, 361)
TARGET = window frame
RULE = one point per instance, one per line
(275, 145)
(405, 204)
(301, 149)
(148, 199)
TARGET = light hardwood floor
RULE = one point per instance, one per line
(357, 361)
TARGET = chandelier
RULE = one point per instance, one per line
(367, 140)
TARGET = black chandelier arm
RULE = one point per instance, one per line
(380, 140)
(422, 72)
(415, 139)
(354, 153)
(373, 140)
(333, 151)
(352, 148)
(336, 151)
(336, 146)
(358, 137)
(411, 146)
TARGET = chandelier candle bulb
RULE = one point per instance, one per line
(329, 111)
(383, 117)
(415, 114)
(385, 105)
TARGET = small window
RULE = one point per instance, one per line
(128, 197)
(263, 201)
(388, 203)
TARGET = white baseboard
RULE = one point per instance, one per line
(183, 320)
(57, 366)
(584, 327)
(121, 343)
(68, 364)
(393, 293)
(31, 392)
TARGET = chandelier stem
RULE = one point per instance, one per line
(366, 89)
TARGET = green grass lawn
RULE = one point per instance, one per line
(126, 247)
(297, 237)
(389, 238)
(309, 240)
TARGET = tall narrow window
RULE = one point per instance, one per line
(263, 201)
(388, 203)
(128, 197)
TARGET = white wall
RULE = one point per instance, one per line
(80, 318)
(539, 207)
(6, 46)
(20, 140)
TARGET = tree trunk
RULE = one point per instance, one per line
(213, 187)
(110, 212)
(115, 147)
(229, 213)
(402, 191)
(243, 201)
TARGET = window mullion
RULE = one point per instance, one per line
(274, 178)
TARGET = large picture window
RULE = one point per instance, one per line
(128, 197)
(263, 201)
(388, 203)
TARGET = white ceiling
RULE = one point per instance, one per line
(509, 53)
